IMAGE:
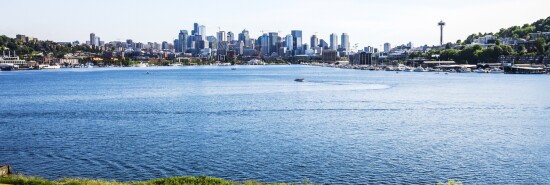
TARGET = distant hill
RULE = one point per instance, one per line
(542, 25)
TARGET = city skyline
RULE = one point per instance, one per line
(397, 22)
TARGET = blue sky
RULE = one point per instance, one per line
(369, 23)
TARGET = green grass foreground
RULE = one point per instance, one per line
(188, 180)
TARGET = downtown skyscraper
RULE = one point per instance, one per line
(183, 38)
(314, 41)
(289, 41)
(244, 37)
(334, 41)
(297, 41)
(345, 42)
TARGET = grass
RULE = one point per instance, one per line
(187, 180)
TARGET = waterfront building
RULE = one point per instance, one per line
(345, 42)
(297, 41)
(334, 41)
(364, 58)
(330, 56)
(314, 41)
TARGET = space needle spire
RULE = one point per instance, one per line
(441, 24)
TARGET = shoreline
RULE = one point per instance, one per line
(174, 180)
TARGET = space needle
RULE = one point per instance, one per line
(441, 24)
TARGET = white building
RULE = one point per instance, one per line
(345, 42)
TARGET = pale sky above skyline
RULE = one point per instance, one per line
(368, 23)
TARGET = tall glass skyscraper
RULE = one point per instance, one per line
(334, 41)
(182, 40)
(297, 39)
(244, 36)
(273, 38)
(92, 39)
(202, 32)
(195, 29)
(230, 36)
(289, 42)
(314, 41)
(222, 37)
(264, 43)
(345, 42)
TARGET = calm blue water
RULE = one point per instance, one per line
(340, 126)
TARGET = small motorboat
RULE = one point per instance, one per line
(233, 68)
(299, 80)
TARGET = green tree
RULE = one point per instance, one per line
(450, 54)
(540, 45)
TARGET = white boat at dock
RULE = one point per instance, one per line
(420, 69)
(479, 71)
(496, 70)
(47, 66)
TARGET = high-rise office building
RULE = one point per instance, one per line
(297, 40)
(221, 36)
(182, 41)
(273, 39)
(314, 41)
(244, 36)
(387, 47)
(334, 41)
(289, 42)
(323, 44)
(345, 42)
(92, 39)
(195, 29)
(369, 49)
(165, 45)
(264, 44)
(202, 32)
(97, 41)
(230, 36)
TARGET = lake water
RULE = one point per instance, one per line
(255, 123)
